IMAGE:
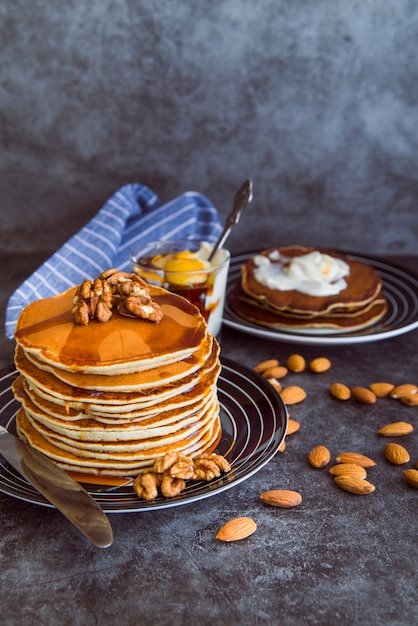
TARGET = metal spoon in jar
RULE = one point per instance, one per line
(243, 197)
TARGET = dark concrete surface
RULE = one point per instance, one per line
(316, 101)
(338, 558)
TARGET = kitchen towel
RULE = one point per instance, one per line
(132, 215)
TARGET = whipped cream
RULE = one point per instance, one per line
(313, 274)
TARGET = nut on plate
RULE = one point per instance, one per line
(236, 529)
(319, 456)
(282, 498)
(396, 454)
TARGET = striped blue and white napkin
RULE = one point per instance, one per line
(131, 216)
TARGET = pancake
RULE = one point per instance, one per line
(344, 322)
(124, 464)
(46, 329)
(363, 284)
(349, 299)
(109, 397)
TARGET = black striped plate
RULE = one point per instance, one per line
(254, 422)
(399, 286)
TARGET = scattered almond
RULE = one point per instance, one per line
(275, 383)
(403, 390)
(396, 429)
(355, 485)
(340, 391)
(265, 365)
(381, 390)
(293, 394)
(282, 446)
(396, 454)
(237, 528)
(348, 469)
(282, 498)
(411, 477)
(292, 426)
(411, 400)
(356, 458)
(279, 371)
(319, 456)
(296, 363)
(363, 395)
(319, 365)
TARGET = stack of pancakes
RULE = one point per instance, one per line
(109, 398)
(359, 305)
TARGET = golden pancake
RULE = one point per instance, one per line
(46, 329)
(143, 380)
(52, 385)
(109, 397)
(122, 466)
(345, 322)
(363, 285)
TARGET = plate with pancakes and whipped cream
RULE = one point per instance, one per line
(307, 295)
(116, 377)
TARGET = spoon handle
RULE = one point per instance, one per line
(243, 197)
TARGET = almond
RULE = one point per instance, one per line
(319, 365)
(356, 458)
(340, 391)
(265, 365)
(396, 454)
(275, 383)
(296, 363)
(293, 394)
(381, 390)
(292, 426)
(282, 498)
(403, 390)
(411, 400)
(348, 469)
(355, 485)
(237, 528)
(319, 456)
(411, 477)
(282, 446)
(363, 395)
(396, 429)
(279, 371)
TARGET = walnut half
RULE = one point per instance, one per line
(129, 293)
(170, 472)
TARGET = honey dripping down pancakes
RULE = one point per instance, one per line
(114, 374)
(298, 287)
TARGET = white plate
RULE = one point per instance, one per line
(399, 286)
(254, 422)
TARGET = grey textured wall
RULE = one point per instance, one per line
(316, 101)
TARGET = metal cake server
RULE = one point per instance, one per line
(59, 488)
